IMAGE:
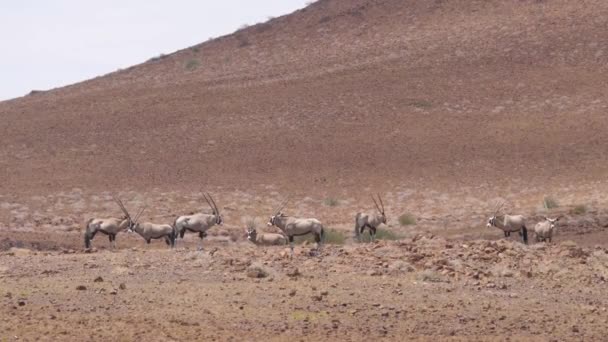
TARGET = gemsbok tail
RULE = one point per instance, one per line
(357, 232)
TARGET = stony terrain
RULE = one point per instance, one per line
(423, 288)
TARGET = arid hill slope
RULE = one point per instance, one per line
(338, 94)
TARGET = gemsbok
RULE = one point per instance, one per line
(370, 220)
(199, 223)
(151, 231)
(265, 239)
(544, 230)
(292, 226)
(508, 223)
(108, 226)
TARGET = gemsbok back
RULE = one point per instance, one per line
(108, 226)
(199, 223)
(150, 231)
(370, 220)
(508, 223)
(292, 226)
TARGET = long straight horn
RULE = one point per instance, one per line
(283, 204)
(376, 204)
(139, 214)
(381, 203)
(208, 202)
(122, 207)
(499, 206)
(217, 210)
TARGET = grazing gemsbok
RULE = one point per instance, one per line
(150, 231)
(544, 230)
(107, 226)
(292, 226)
(199, 223)
(509, 223)
(370, 220)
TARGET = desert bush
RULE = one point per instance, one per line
(579, 209)
(430, 276)
(384, 234)
(157, 58)
(332, 237)
(407, 219)
(381, 234)
(550, 202)
(192, 64)
(331, 202)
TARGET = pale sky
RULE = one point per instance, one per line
(51, 43)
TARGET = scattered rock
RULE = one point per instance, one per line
(14, 251)
(21, 302)
(81, 288)
(256, 271)
(293, 272)
(317, 298)
(122, 286)
(98, 280)
(374, 273)
(400, 266)
(292, 292)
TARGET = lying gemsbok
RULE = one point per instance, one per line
(508, 223)
(199, 223)
(150, 231)
(292, 226)
(108, 226)
(370, 220)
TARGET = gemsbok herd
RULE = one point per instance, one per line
(289, 226)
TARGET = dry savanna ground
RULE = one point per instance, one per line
(433, 276)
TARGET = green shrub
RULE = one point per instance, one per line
(550, 202)
(407, 219)
(332, 237)
(381, 234)
(331, 202)
(384, 234)
(579, 209)
(192, 64)
(157, 58)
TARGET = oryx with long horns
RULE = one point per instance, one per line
(150, 231)
(508, 223)
(199, 223)
(370, 220)
(292, 226)
(108, 226)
